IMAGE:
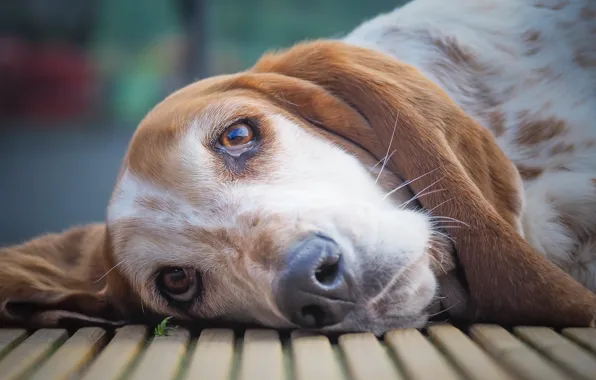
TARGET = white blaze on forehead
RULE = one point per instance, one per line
(131, 189)
(139, 255)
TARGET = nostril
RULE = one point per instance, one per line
(314, 289)
(312, 316)
(328, 271)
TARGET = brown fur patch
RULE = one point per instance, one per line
(497, 123)
(527, 172)
(531, 35)
(584, 59)
(532, 40)
(561, 148)
(534, 131)
(462, 63)
(547, 74)
(61, 273)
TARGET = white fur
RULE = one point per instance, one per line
(496, 32)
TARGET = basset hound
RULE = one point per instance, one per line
(440, 158)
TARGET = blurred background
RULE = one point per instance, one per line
(76, 76)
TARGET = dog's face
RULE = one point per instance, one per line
(230, 207)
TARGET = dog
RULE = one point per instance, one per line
(441, 156)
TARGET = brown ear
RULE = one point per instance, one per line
(361, 95)
(56, 279)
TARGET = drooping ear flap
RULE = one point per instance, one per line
(365, 96)
(56, 280)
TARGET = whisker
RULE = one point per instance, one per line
(440, 204)
(406, 184)
(446, 226)
(109, 270)
(430, 323)
(444, 310)
(438, 263)
(427, 187)
(388, 148)
(449, 218)
(445, 236)
(420, 195)
(383, 159)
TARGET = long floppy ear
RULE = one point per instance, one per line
(56, 279)
(509, 282)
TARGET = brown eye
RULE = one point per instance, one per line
(179, 284)
(237, 135)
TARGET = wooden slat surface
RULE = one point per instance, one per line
(113, 361)
(514, 354)
(213, 356)
(419, 359)
(10, 338)
(30, 352)
(366, 359)
(584, 336)
(313, 357)
(470, 359)
(443, 352)
(72, 355)
(262, 356)
(574, 359)
(163, 356)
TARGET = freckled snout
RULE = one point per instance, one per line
(315, 289)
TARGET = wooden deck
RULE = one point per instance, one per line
(486, 352)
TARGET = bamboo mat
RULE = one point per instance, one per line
(483, 352)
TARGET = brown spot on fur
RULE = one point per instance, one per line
(461, 62)
(587, 13)
(527, 172)
(531, 35)
(583, 59)
(555, 6)
(561, 148)
(547, 73)
(532, 49)
(561, 168)
(594, 181)
(497, 123)
(566, 24)
(455, 52)
(532, 132)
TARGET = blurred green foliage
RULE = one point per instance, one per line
(241, 30)
(138, 48)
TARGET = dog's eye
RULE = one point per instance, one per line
(179, 284)
(237, 138)
(236, 135)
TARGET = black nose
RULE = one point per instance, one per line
(314, 289)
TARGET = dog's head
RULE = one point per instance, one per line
(324, 188)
